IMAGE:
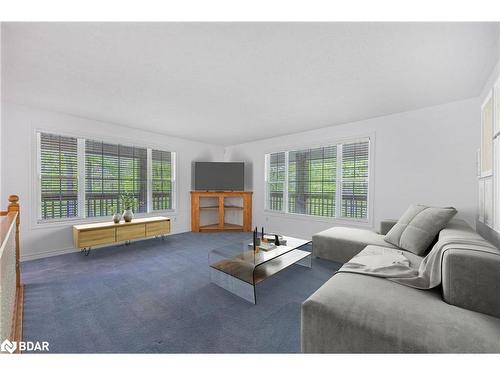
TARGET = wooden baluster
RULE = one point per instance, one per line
(14, 207)
(17, 318)
(221, 212)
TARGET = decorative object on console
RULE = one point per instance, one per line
(127, 203)
(128, 215)
(116, 216)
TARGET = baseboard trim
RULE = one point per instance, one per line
(68, 250)
(17, 318)
(47, 254)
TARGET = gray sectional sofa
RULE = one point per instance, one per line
(355, 313)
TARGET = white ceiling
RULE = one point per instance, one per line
(228, 83)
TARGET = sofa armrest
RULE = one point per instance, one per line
(471, 280)
(386, 225)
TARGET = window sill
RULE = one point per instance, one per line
(55, 223)
(363, 223)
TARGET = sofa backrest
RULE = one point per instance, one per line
(470, 276)
(459, 228)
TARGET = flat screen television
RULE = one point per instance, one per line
(219, 176)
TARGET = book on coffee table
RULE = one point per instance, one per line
(265, 246)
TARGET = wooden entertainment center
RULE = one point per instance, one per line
(219, 202)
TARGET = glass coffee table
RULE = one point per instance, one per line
(238, 268)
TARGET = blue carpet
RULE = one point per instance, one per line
(155, 297)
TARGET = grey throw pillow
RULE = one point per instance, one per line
(418, 226)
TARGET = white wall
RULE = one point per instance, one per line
(425, 156)
(18, 172)
(494, 74)
(492, 234)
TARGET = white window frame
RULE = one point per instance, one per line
(81, 178)
(267, 182)
(150, 180)
(38, 179)
(368, 221)
(338, 183)
(81, 217)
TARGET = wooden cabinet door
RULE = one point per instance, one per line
(130, 232)
(95, 237)
(157, 228)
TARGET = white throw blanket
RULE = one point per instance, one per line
(380, 261)
(395, 266)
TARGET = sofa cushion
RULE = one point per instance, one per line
(354, 313)
(340, 244)
(418, 226)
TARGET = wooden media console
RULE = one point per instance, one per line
(221, 203)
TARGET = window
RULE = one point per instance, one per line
(110, 172)
(329, 181)
(58, 177)
(162, 180)
(86, 178)
(312, 181)
(276, 180)
(354, 180)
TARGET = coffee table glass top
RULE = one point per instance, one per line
(241, 261)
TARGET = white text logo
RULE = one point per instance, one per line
(24, 346)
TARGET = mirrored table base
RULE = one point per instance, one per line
(222, 273)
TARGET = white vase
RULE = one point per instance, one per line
(128, 215)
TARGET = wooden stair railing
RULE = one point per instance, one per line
(9, 235)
